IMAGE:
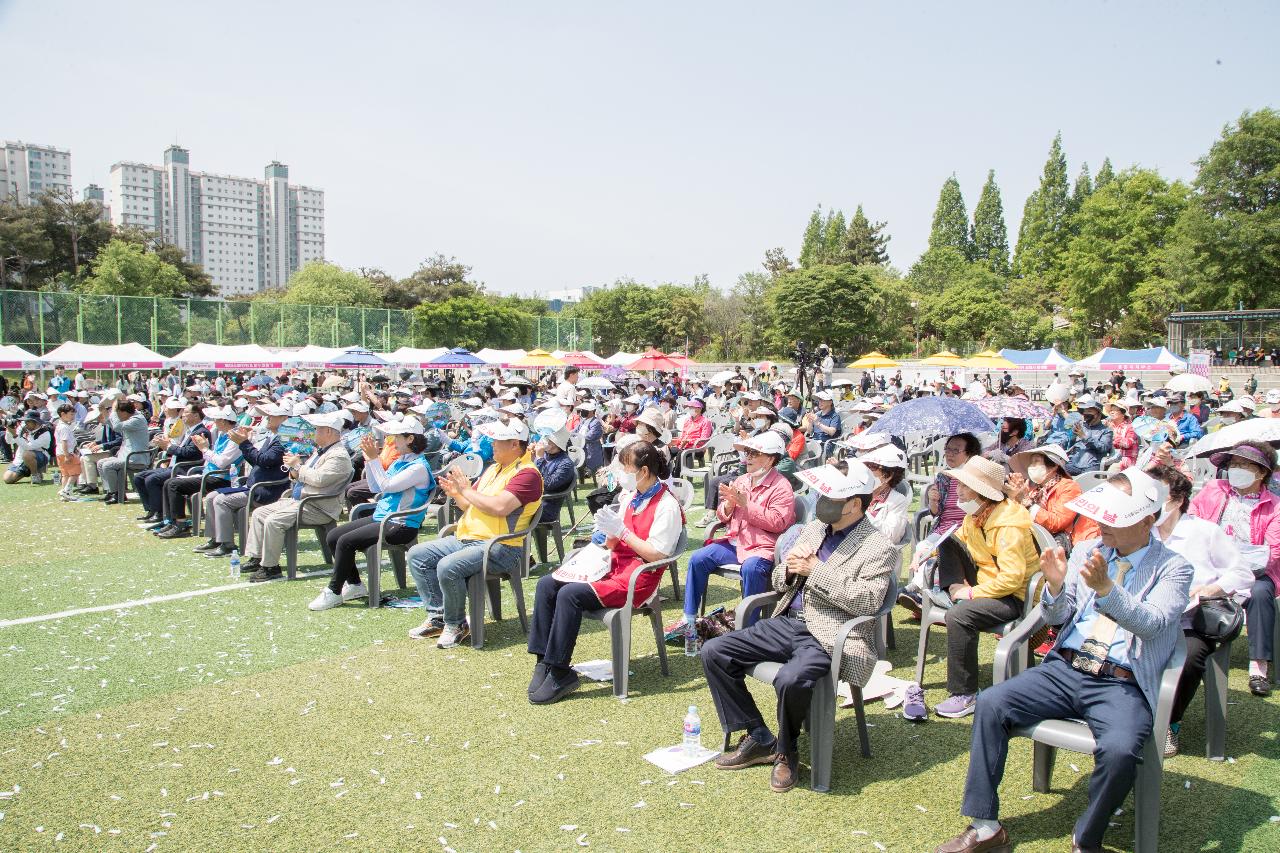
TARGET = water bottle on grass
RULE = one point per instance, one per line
(235, 562)
(692, 642)
(692, 731)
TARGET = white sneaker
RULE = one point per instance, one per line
(353, 590)
(430, 627)
(451, 637)
(325, 600)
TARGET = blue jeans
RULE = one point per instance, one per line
(757, 573)
(440, 569)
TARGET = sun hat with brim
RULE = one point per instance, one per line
(766, 409)
(1233, 406)
(351, 397)
(766, 442)
(217, 413)
(651, 417)
(1247, 401)
(559, 437)
(1087, 401)
(827, 481)
(513, 430)
(752, 395)
(1052, 452)
(865, 441)
(385, 416)
(1241, 451)
(982, 475)
(406, 426)
(1109, 505)
(271, 410)
(886, 456)
(175, 403)
(588, 406)
(332, 420)
(513, 409)
(357, 406)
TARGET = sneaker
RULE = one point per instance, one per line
(558, 684)
(451, 637)
(708, 519)
(956, 707)
(1259, 685)
(913, 706)
(354, 590)
(430, 627)
(326, 600)
(264, 573)
(1171, 743)
(911, 601)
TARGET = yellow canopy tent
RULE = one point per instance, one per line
(988, 360)
(873, 361)
(946, 358)
(537, 358)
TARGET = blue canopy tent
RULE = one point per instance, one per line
(358, 357)
(457, 358)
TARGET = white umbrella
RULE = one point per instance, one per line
(722, 377)
(1189, 383)
(598, 383)
(1253, 429)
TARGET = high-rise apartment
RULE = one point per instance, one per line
(28, 170)
(247, 234)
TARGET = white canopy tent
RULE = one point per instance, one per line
(104, 357)
(1130, 360)
(622, 359)
(228, 357)
(501, 357)
(13, 357)
(311, 357)
(415, 358)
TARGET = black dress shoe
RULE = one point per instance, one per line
(558, 684)
(1259, 685)
(111, 499)
(207, 546)
(161, 528)
(266, 573)
(175, 532)
(151, 516)
(748, 754)
(220, 551)
(539, 675)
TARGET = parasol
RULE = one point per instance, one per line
(873, 361)
(989, 360)
(934, 416)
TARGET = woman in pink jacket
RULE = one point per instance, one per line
(1246, 511)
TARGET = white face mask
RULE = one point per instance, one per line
(761, 423)
(1037, 472)
(627, 481)
(1241, 478)
(969, 506)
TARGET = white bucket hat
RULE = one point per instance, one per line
(1108, 505)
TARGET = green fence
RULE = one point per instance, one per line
(40, 321)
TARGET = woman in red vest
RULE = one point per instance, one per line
(648, 529)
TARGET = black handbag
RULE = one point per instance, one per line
(1219, 619)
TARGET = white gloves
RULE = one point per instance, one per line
(609, 522)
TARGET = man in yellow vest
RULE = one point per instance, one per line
(506, 498)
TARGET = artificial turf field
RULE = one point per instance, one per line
(240, 720)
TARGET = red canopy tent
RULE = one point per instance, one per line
(654, 359)
(583, 361)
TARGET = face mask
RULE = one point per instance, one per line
(627, 481)
(761, 423)
(969, 506)
(829, 511)
(1241, 478)
(1229, 419)
(1037, 471)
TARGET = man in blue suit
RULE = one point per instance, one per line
(1120, 602)
(149, 484)
(264, 451)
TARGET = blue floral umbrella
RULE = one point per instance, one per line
(934, 416)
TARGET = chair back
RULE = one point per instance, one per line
(682, 489)
(802, 510)
(1044, 539)
(577, 454)
(785, 541)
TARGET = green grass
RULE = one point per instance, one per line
(240, 720)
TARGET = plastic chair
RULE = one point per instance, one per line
(321, 531)
(122, 488)
(482, 580)
(1051, 735)
(1275, 640)
(618, 620)
(821, 720)
(242, 517)
(1215, 703)
(553, 524)
(373, 554)
(683, 491)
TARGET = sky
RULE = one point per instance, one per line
(552, 145)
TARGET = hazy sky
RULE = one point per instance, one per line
(556, 144)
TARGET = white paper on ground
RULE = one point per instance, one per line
(596, 670)
(880, 685)
(673, 758)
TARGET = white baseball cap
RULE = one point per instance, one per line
(824, 395)
(1273, 396)
(357, 406)
(474, 402)
(827, 481)
(333, 420)
(767, 441)
(175, 403)
(886, 456)
(217, 413)
(1108, 505)
(271, 410)
(404, 426)
(512, 430)
(513, 409)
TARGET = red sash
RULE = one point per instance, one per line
(612, 588)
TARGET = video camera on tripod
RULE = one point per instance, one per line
(807, 360)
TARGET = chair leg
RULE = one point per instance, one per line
(558, 532)
(475, 610)
(291, 552)
(620, 646)
(659, 636)
(860, 712)
(1146, 798)
(493, 583)
(194, 505)
(924, 645)
(397, 563)
(540, 542)
(1042, 758)
(323, 534)
(373, 568)
(822, 728)
(517, 592)
(1215, 703)
(675, 580)
(890, 641)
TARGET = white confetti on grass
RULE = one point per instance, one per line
(1074, 769)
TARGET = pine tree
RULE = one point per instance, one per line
(1082, 190)
(864, 241)
(990, 238)
(833, 238)
(811, 249)
(1105, 175)
(951, 219)
(1043, 234)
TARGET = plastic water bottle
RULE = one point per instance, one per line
(235, 562)
(691, 640)
(692, 731)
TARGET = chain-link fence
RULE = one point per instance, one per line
(39, 321)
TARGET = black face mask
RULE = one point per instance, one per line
(829, 511)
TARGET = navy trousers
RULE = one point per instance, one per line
(1260, 618)
(149, 485)
(783, 640)
(557, 618)
(1115, 710)
(756, 573)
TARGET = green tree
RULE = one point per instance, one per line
(776, 262)
(864, 241)
(840, 303)
(971, 310)
(76, 228)
(1081, 190)
(469, 321)
(951, 220)
(936, 270)
(435, 280)
(199, 284)
(755, 318)
(1044, 232)
(990, 237)
(833, 237)
(125, 269)
(1105, 175)
(1227, 246)
(322, 283)
(1124, 229)
(26, 249)
(812, 247)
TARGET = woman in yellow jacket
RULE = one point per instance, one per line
(983, 571)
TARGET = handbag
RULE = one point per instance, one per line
(1219, 618)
